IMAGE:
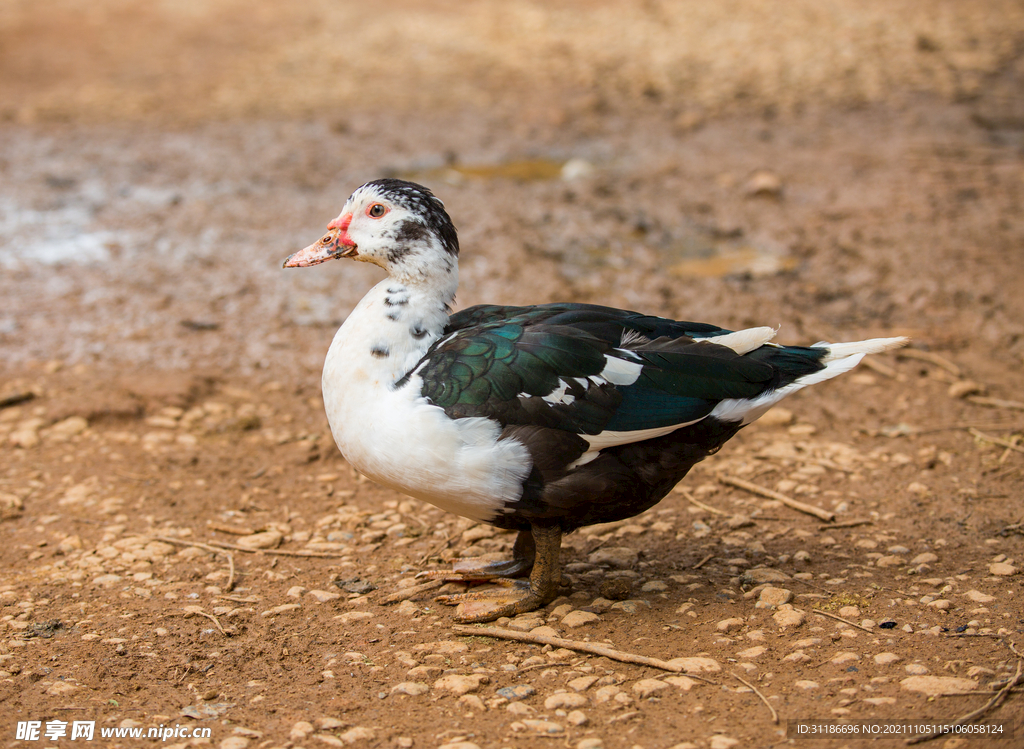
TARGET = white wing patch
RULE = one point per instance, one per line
(610, 438)
(744, 341)
(620, 371)
(558, 396)
(616, 372)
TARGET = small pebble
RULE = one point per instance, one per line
(807, 642)
(577, 718)
(880, 700)
(885, 659)
(460, 685)
(544, 631)
(265, 540)
(963, 388)
(618, 557)
(517, 692)
(648, 687)
(683, 682)
(606, 693)
(526, 623)
(727, 625)
(1002, 569)
(935, 685)
(888, 561)
(543, 726)
(771, 598)
(761, 575)
(579, 618)
(616, 589)
(696, 665)
(761, 183)
(411, 688)
(582, 683)
(565, 701)
(358, 733)
(978, 597)
(472, 702)
(787, 616)
(323, 596)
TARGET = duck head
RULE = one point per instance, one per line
(400, 226)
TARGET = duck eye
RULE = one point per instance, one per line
(376, 210)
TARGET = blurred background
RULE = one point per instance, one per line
(542, 63)
(706, 160)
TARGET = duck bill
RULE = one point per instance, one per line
(328, 248)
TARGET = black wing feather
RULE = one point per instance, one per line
(500, 362)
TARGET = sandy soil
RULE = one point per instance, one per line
(183, 545)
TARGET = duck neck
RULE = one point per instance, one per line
(397, 321)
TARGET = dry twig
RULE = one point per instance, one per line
(205, 547)
(702, 562)
(233, 530)
(927, 356)
(697, 503)
(436, 548)
(825, 515)
(577, 645)
(883, 369)
(995, 440)
(281, 552)
(839, 619)
(775, 715)
(848, 524)
(216, 623)
(981, 400)
(411, 592)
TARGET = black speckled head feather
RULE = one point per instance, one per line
(422, 202)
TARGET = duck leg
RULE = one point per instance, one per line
(545, 577)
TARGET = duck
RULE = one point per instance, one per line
(535, 419)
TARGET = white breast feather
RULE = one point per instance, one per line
(399, 439)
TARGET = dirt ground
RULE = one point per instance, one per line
(184, 546)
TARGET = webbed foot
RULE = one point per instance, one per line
(544, 545)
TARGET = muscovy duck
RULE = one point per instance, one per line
(537, 419)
